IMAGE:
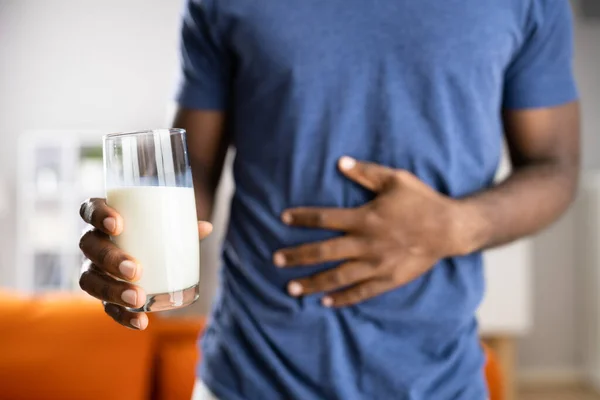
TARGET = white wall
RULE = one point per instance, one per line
(554, 346)
(82, 64)
(587, 68)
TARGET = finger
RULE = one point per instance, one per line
(98, 247)
(340, 248)
(97, 213)
(106, 288)
(349, 273)
(358, 293)
(338, 219)
(204, 229)
(369, 175)
(137, 321)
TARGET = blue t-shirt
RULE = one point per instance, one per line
(417, 85)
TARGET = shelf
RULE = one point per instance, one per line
(57, 171)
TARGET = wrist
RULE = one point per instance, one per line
(470, 230)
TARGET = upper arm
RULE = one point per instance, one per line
(205, 73)
(203, 93)
(543, 135)
(207, 142)
(203, 90)
(540, 109)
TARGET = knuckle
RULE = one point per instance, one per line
(84, 280)
(371, 246)
(362, 292)
(84, 239)
(317, 252)
(100, 287)
(106, 291)
(106, 255)
(372, 219)
(323, 251)
(318, 219)
(113, 311)
(349, 298)
(334, 278)
(416, 250)
(401, 176)
(342, 300)
(356, 272)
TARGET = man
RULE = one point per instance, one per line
(367, 136)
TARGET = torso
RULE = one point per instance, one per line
(414, 85)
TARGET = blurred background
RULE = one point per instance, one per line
(71, 71)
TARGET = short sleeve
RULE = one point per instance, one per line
(541, 73)
(204, 77)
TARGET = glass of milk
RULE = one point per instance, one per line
(149, 182)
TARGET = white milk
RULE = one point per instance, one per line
(161, 232)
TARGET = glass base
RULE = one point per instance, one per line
(169, 300)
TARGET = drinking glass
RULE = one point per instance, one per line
(149, 182)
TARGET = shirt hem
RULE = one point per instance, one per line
(218, 390)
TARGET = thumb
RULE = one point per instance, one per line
(369, 175)
(204, 229)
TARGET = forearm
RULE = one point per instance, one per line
(205, 194)
(207, 144)
(532, 197)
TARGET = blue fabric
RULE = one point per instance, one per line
(409, 84)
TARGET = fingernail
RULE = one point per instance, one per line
(286, 218)
(128, 269)
(327, 301)
(136, 323)
(129, 296)
(279, 259)
(347, 162)
(110, 224)
(294, 288)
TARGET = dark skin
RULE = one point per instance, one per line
(207, 143)
(390, 241)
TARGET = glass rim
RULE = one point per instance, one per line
(142, 133)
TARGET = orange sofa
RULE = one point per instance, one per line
(64, 347)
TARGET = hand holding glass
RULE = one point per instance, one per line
(148, 181)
